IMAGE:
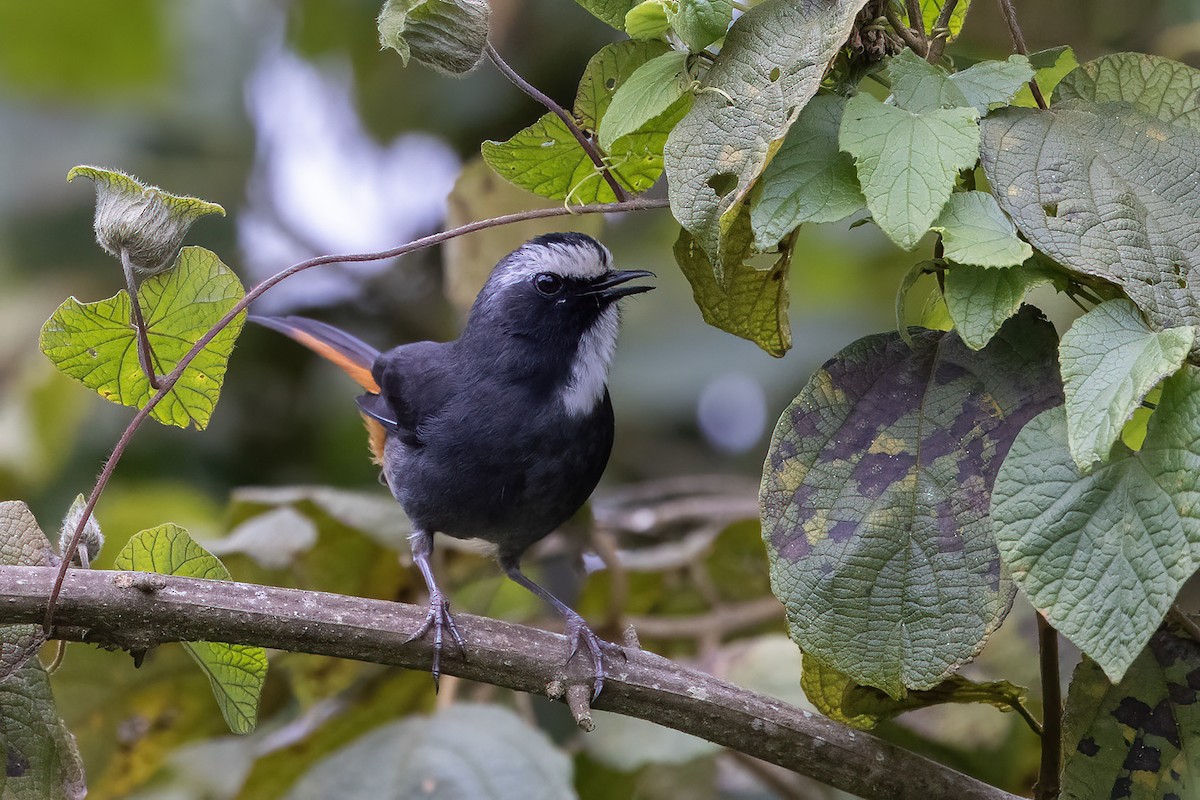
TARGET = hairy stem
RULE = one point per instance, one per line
(116, 608)
(587, 144)
(1018, 40)
(169, 381)
(1051, 766)
(144, 351)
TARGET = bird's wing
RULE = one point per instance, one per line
(415, 381)
(355, 357)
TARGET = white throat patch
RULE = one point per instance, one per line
(589, 370)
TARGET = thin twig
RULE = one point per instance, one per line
(1018, 40)
(917, 43)
(940, 34)
(587, 144)
(98, 607)
(144, 352)
(1047, 785)
(916, 17)
(169, 381)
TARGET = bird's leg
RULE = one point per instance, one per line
(438, 618)
(577, 630)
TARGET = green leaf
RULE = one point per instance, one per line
(145, 222)
(445, 35)
(40, 754)
(649, 91)
(463, 752)
(647, 20)
(1107, 190)
(1110, 359)
(1134, 432)
(546, 159)
(875, 495)
(22, 543)
(236, 672)
(1102, 556)
(975, 231)
(745, 301)
(699, 23)
(610, 11)
(990, 84)
(810, 179)
(907, 162)
(919, 86)
(1138, 739)
(1155, 86)
(771, 64)
(838, 697)
(1050, 66)
(95, 343)
(979, 300)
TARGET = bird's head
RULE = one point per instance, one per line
(553, 301)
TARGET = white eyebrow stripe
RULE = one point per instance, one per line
(579, 261)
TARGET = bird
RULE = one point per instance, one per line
(503, 433)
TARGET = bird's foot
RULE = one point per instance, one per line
(439, 620)
(584, 641)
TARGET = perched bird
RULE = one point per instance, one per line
(502, 434)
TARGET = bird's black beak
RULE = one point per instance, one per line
(611, 288)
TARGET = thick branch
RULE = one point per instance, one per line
(109, 608)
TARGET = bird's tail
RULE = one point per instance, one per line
(354, 356)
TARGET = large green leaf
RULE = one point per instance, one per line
(446, 35)
(771, 64)
(1106, 188)
(1139, 739)
(875, 495)
(907, 161)
(1156, 86)
(919, 86)
(236, 672)
(95, 343)
(838, 697)
(463, 752)
(746, 301)
(1102, 556)
(649, 91)
(979, 300)
(1110, 359)
(546, 159)
(975, 231)
(22, 542)
(699, 23)
(810, 179)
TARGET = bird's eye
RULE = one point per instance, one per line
(548, 283)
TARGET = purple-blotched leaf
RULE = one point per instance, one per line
(875, 499)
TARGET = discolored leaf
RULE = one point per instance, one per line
(463, 752)
(546, 159)
(838, 697)
(236, 672)
(95, 343)
(41, 760)
(975, 231)
(979, 300)
(1110, 359)
(1102, 556)
(745, 301)
(771, 64)
(1050, 66)
(1139, 739)
(810, 179)
(875, 495)
(22, 543)
(907, 162)
(1155, 86)
(1107, 189)
(144, 222)
(445, 35)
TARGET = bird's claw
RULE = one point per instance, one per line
(438, 619)
(582, 638)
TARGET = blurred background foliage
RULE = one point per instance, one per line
(315, 141)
